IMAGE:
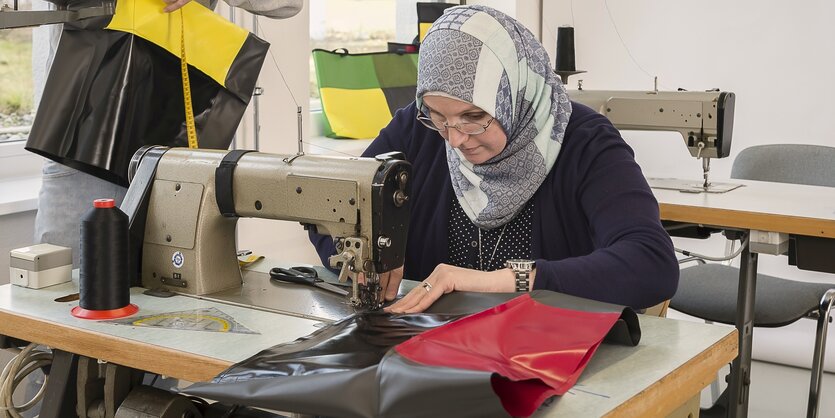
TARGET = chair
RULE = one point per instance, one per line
(709, 291)
(659, 310)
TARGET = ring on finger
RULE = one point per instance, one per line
(427, 286)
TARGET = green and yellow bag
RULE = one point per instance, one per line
(361, 92)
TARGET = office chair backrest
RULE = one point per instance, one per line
(787, 163)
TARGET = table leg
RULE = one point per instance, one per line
(60, 396)
(741, 367)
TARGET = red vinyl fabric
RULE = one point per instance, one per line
(536, 351)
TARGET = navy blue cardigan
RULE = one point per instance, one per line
(596, 229)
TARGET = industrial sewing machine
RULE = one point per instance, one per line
(183, 206)
(704, 120)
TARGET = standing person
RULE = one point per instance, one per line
(506, 167)
(66, 193)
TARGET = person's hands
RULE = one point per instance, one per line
(174, 5)
(445, 279)
(390, 281)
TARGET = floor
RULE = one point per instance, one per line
(779, 391)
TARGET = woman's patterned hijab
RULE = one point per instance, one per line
(482, 56)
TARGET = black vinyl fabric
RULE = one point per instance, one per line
(349, 369)
(709, 291)
(109, 93)
(353, 343)
(430, 12)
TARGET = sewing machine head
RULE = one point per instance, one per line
(704, 119)
(192, 199)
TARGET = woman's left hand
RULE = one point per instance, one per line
(445, 279)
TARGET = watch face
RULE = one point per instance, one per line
(520, 264)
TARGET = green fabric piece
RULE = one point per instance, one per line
(394, 70)
(345, 71)
(326, 127)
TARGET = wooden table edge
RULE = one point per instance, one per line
(673, 390)
(797, 225)
(123, 351)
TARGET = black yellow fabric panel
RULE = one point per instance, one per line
(111, 92)
(212, 42)
(427, 14)
(422, 29)
(361, 92)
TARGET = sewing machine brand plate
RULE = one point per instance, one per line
(690, 186)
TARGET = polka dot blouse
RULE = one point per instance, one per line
(512, 240)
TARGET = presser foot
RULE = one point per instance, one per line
(370, 295)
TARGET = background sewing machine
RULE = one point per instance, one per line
(704, 120)
(184, 204)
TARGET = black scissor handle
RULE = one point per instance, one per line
(302, 275)
(308, 271)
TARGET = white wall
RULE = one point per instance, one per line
(776, 56)
(289, 51)
(16, 233)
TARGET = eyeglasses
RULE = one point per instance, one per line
(467, 128)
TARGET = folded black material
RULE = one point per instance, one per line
(349, 369)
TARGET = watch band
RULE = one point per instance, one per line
(523, 282)
(522, 268)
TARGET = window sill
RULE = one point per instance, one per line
(319, 144)
(19, 194)
(328, 146)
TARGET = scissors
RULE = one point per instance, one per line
(304, 275)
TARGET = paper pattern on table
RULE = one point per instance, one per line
(208, 319)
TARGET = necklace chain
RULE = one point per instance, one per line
(480, 254)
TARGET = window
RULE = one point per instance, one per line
(17, 98)
(16, 94)
(359, 26)
(356, 25)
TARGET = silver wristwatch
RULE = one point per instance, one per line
(522, 269)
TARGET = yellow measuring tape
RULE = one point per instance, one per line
(191, 131)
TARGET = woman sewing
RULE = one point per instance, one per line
(515, 187)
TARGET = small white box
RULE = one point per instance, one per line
(767, 242)
(40, 265)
